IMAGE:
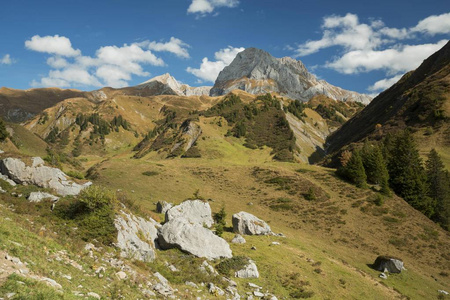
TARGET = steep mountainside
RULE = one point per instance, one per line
(19, 105)
(420, 100)
(257, 72)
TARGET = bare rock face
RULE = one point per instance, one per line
(136, 236)
(189, 133)
(388, 264)
(192, 238)
(162, 207)
(194, 211)
(245, 223)
(257, 72)
(40, 175)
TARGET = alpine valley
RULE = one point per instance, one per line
(271, 184)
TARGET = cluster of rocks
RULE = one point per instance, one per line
(15, 171)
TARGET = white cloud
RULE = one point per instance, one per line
(59, 45)
(209, 70)
(374, 46)
(175, 46)
(434, 24)
(112, 65)
(207, 6)
(384, 84)
(393, 61)
(6, 60)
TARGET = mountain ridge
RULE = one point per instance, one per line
(257, 72)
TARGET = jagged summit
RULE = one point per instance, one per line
(256, 71)
(178, 88)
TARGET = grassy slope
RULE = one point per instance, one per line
(344, 231)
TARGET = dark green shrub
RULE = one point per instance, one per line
(230, 265)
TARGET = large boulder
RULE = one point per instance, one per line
(136, 236)
(245, 223)
(40, 175)
(249, 271)
(388, 264)
(39, 196)
(194, 211)
(192, 238)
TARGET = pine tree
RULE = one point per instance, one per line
(353, 171)
(375, 167)
(438, 187)
(407, 176)
(3, 132)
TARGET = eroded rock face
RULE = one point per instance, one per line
(192, 238)
(193, 211)
(257, 72)
(40, 175)
(245, 223)
(162, 207)
(136, 236)
(388, 264)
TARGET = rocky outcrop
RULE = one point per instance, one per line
(169, 85)
(136, 236)
(388, 264)
(249, 271)
(188, 134)
(162, 207)
(257, 72)
(193, 211)
(39, 196)
(192, 238)
(245, 223)
(40, 175)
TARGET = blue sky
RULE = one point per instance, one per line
(358, 45)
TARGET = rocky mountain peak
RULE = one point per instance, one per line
(256, 71)
(168, 83)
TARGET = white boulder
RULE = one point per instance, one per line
(193, 211)
(245, 223)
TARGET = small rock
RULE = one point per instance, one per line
(10, 295)
(274, 243)
(68, 277)
(383, 276)
(238, 239)
(443, 292)
(258, 294)
(190, 283)
(172, 268)
(253, 248)
(94, 295)
(214, 290)
(252, 285)
(121, 275)
(39, 196)
(51, 282)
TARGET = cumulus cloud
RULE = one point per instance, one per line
(207, 6)
(56, 44)
(175, 46)
(209, 70)
(366, 47)
(393, 61)
(434, 24)
(112, 65)
(6, 60)
(384, 84)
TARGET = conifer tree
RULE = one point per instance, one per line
(353, 171)
(3, 132)
(375, 167)
(407, 176)
(438, 187)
